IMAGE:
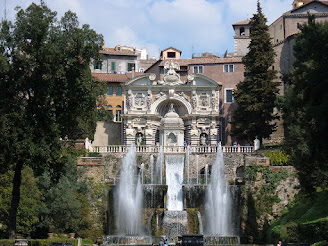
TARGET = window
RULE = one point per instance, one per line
(198, 69)
(171, 54)
(109, 90)
(97, 65)
(118, 91)
(141, 70)
(242, 31)
(113, 66)
(118, 115)
(228, 68)
(229, 96)
(131, 66)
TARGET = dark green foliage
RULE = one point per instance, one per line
(7, 242)
(258, 201)
(46, 92)
(306, 105)
(48, 242)
(305, 220)
(256, 95)
(30, 202)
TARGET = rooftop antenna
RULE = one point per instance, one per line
(192, 51)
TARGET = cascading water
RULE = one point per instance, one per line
(218, 201)
(175, 219)
(151, 162)
(174, 180)
(130, 197)
(159, 167)
(188, 164)
(197, 167)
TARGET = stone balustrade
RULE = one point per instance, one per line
(172, 149)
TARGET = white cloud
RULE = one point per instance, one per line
(201, 25)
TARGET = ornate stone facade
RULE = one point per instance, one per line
(171, 111)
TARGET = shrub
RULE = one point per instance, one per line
(278, 157)
(7, 242)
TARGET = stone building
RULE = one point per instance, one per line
(241, 38)
(171, 110)
(283, 31)
(227, 72)
(122, 59)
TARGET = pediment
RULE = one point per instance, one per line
(201, 80)
(141, 80)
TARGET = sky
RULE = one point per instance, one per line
(192, 26)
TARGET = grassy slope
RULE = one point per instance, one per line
(301, 210)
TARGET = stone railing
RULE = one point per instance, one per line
(172, 149)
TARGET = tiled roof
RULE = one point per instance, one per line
(172, 48)
(244, 22)
(113, 51)
(203, 60)
(114, 77)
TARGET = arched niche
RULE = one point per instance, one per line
(164, 106)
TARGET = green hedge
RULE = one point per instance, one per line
(48, 242)
(7, 242)
(309, 232)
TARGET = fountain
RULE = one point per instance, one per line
(129, 202)
(166, 207)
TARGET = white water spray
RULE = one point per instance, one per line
(159, 166)
(218, 201)
(151, 161)
(130, 197)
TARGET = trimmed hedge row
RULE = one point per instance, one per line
(309, 232)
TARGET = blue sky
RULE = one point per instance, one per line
(193, 26)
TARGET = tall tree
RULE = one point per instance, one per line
(46, 91)
(255, 96)
(306, 106)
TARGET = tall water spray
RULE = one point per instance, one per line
(188, 163)
(218, 201)
(129, 192)
(159, 166)
(151, 161)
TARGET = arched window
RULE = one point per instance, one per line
(242, 31)
(118, 106)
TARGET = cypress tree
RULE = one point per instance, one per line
(256, 95)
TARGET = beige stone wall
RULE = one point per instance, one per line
(107, 133)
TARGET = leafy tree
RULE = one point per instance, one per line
(46, 91)
(27, 217)
(306, 106)
(256, 95)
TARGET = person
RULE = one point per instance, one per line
(279, 243)
(185, 143)
(166, 242)
(161, 243)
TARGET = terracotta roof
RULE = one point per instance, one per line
(113, 51)
(172, 48)
(114, 77)
(244, 22)
(203, 60)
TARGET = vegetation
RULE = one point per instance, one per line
(306, 105)
(305, 220)
(260, 198)
(277, 157)
(256, 95)
(47, 94)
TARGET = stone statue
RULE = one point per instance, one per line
(139, 139)
(194, 100)
(203, 139)
(172, 108)
(149, 101)
(257, 143)
(129, 99)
